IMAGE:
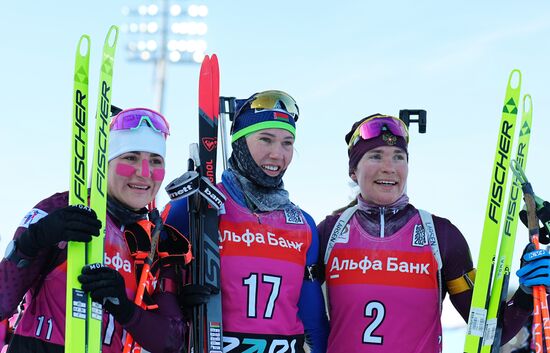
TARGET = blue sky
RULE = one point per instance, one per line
(340, 60)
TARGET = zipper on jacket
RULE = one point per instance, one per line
(382, 221)
(258, 217)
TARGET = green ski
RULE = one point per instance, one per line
(489, 240)
(98, 192)
(84, 317)
(75, 314)
(499, 289)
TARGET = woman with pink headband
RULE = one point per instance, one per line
(35, 263)
(388, 265)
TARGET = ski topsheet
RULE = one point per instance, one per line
(204, 201)
(208, 262)
(76, 306)
(499, 291)
(495, 205)
(98, 192)
(85, 336)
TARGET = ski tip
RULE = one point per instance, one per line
(112, 36)
(205, 66)
(214, 59)
(514, 80)
(205, 84)
(527, 103)
(214, 66)
(83, 47)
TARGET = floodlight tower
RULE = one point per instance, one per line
(165, 32)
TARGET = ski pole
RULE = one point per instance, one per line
(541, 204)
(227, 108)
(540, 313)
(541, 316)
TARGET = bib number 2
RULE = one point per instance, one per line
(377, 311)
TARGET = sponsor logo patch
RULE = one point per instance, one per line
(32, 217)
(419, 236)
(343, 236)
(293, 216)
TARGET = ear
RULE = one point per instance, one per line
(353, 176)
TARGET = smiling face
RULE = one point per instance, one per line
(382, 174)
(271, 149)
(135, 178)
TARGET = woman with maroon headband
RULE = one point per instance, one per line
(388, 266)
(36, 259)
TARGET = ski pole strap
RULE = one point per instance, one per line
(462, 283)
(431, 237)
(338, 230)
(211, 193)
(183, 186)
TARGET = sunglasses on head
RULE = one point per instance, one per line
(133, 118)
(271, 100)
(376, 125)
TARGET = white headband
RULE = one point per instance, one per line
(142, 139)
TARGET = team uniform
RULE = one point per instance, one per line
(383, 284)
(268, 296)
(42, 326)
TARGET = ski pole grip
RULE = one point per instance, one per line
(227, 106)
(528, 190)
(194, 154)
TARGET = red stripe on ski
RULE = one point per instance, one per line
(205, 90)
(215, 69)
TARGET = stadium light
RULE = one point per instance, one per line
(165, 32)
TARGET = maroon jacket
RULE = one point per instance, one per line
(145, 326)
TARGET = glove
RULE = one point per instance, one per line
(192, 295)
(196, 294)
(543, 214)
(107, 286)
(535, 269)
(71, 223)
